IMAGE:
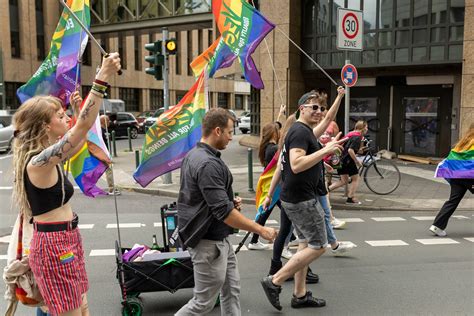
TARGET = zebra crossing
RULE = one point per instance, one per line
(87, 228)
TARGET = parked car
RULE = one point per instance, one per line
(244, 124)
(120, 121)
(244, 113)
(152, 119)
(141, 118)
(6, 137)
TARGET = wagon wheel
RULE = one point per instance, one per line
(132, 307)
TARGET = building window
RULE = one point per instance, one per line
(11, 101)
(178, 53)
(200, 42)
(223, 100)
(210, 38)
(138, 51)
(131, 97)
(189, 40)
(86, 56)
(85, 89)
(40, 30)
(14, 29)
(239, 102)
(122, 50)
(104, 42)
(156, 99)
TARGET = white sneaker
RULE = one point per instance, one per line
(286, 253)
(294, 243)
(342, 248)
(257, 246)
(438, 231)
(115, 192)
(337, 224)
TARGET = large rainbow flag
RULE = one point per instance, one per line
(215, 57)
(174, 134)
(458, 165)
(242, 28)
(57, 74)
(263, 186)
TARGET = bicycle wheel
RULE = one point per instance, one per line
(382, 176)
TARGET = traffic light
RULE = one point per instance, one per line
(156, 59)
(170, 46)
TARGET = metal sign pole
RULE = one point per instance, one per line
(166, 92)
(347, 104)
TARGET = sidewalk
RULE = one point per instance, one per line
(418, 190)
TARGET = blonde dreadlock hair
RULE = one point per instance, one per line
(30, 134)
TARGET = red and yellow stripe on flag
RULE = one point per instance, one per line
(263, 186)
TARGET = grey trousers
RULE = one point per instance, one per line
(215, 271)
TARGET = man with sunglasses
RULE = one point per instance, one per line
(301, 170)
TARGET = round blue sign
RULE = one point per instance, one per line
(349, 75)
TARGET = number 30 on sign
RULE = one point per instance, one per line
(349, 29)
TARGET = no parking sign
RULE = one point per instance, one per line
(349, 75)
(349, 29)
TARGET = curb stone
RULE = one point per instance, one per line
(250, 201)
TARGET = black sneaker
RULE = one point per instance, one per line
(311, 278)
(307, 301)
(272, 291)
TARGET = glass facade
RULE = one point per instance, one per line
(117, 11)
(395, 32)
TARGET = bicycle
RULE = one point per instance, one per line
(380, 175)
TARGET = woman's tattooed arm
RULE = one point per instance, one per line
(54, 153)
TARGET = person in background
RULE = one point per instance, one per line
(350, 163)
(109, 176)
(267, 149)
(460, 175)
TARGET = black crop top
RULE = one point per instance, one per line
(44, 200)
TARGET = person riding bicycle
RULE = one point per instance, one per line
(350, 164)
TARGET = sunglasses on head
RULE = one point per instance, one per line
(315, 107)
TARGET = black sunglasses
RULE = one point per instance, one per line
(315, 107)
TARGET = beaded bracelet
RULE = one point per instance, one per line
(99, 87)
(102, 83)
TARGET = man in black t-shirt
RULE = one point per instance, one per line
(301, 171)
(350, 164)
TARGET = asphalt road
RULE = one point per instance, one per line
(410, 279)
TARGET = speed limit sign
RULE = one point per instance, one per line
(350, 28)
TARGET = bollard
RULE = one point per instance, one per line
(137, 158)
(250, 163)
(129, 140)
(114, 145)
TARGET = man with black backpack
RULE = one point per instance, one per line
(350, 164)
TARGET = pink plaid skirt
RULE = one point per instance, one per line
(57, 262)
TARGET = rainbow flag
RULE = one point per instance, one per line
(458, 165)
(242, 28)
(216, 57)
(175, 133)
(263, 186)
(90, 162)
(57, 74)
